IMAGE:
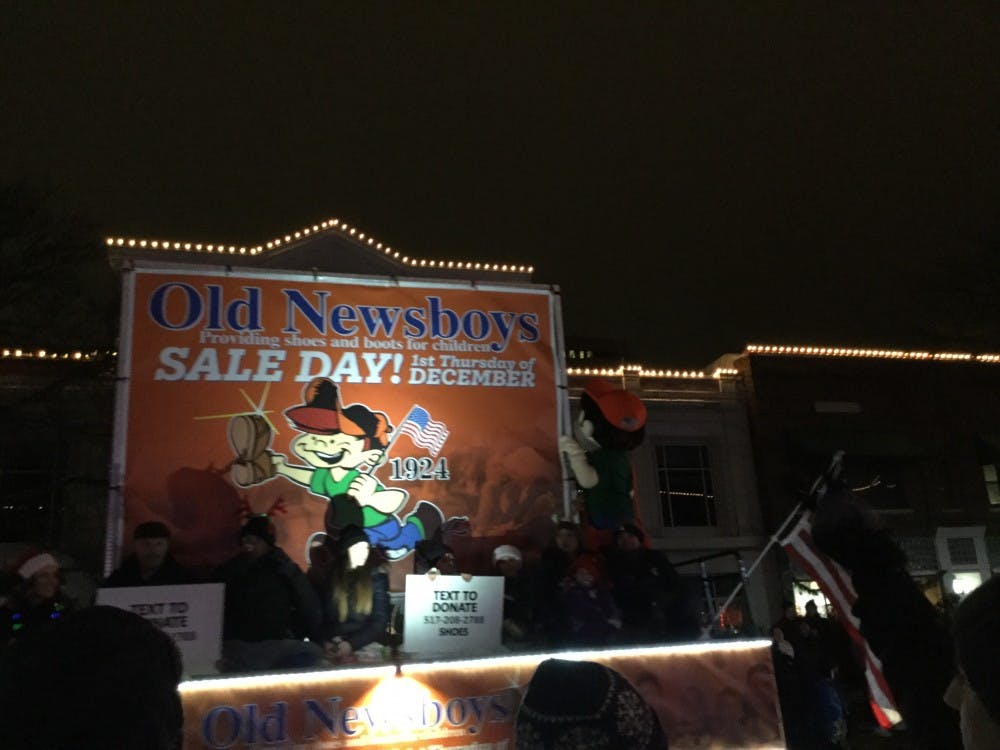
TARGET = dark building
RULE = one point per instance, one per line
(57, 415)
(921, 434)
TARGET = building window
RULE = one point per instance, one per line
(685, 478)
(992, 483)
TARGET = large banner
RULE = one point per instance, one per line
(714, 695)
(406, 407)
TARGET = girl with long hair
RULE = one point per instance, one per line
(354, 592)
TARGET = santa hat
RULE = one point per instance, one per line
(506, 552)
(32, 562)
(583, 704)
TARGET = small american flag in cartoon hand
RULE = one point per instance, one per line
(423, 430)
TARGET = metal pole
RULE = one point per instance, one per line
(707, 587)
(818, 489)
(775, 539)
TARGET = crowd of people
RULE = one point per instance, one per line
(277, 616)
(626, 593)
(814, 669)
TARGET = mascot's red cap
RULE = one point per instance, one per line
(622, 409)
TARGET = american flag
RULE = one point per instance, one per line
(423, 430)
(836, 585)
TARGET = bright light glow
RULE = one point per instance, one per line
(965, 583)
(394, 697)
(357, 554)
(519, 660)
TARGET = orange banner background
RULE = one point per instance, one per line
(501, 451)
(718, 695)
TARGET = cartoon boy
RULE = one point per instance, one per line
(340, 447)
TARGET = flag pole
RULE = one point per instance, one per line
(385, 451)
(775, 539)
(818, 488)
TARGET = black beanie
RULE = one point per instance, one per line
(261, 527)
(582, 704)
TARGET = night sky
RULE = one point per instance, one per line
(695, 176)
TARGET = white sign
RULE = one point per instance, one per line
(190, 614)
(449, 615)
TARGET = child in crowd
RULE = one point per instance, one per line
(592, 617)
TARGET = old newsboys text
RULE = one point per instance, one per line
(434, 341)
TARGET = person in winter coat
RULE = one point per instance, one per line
(655, 605)
(269, 607)
(592, 617)
(36, 600)
(517, 610)
(354, 597)
(101, 677)
(553, 569)
(975, 690)
(150, 563)
(898, 621)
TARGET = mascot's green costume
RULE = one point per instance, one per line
(611, 423)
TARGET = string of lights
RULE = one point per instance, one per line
(293, 237)
(639, 370)
(826, 351)
(43, 354)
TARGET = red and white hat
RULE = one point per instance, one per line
(34, 561)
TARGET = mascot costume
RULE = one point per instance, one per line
(611, 423)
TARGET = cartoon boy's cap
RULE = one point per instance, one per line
(622, 409)
(320, 413)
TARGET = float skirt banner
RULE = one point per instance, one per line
(718, 695)
(428, 404)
